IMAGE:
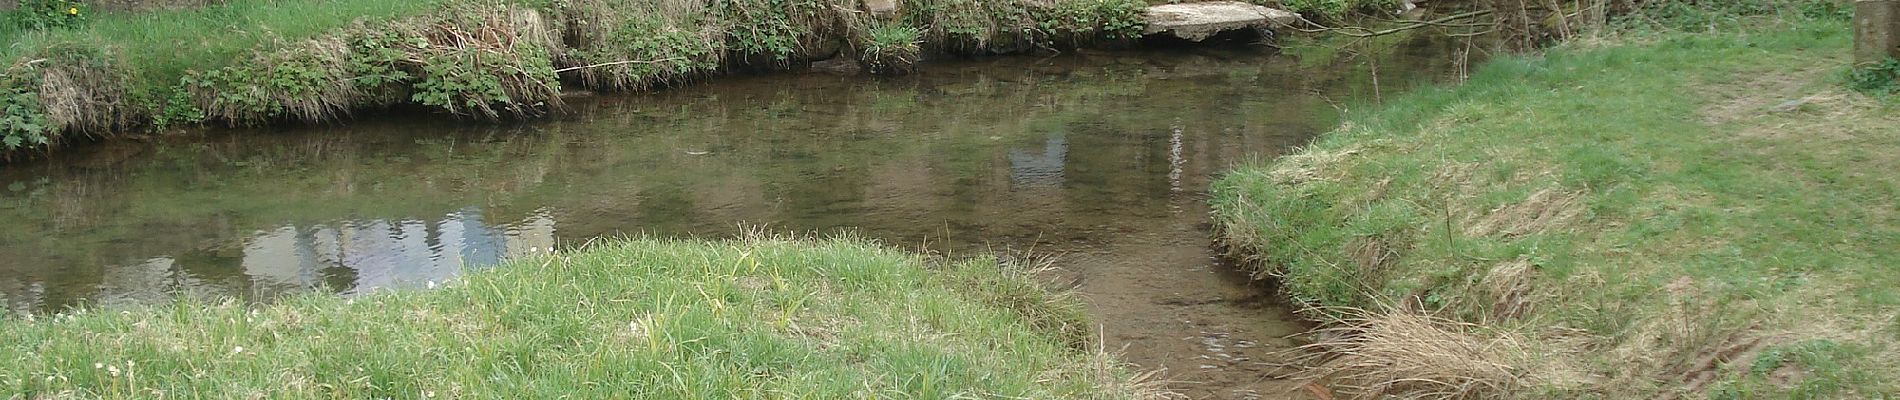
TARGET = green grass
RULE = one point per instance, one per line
(1677, 214)
(750, 318)
(254, 62)
(1338, 9)
(164, 44)
(890, 47)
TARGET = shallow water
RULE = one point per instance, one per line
(1100, 158)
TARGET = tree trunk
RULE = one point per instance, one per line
(1876, 30)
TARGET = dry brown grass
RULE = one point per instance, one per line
(313, 81)
(1311, 165)
(599, 32)
(1754, 94)
(81, 90)
(1110, 375)
(1409, 355)
(1374, 256)
(88, 97)
(470, 46)
(331, 98)
(1542, 210)
(1509, 286)
(973, 26)
(519, 36)
(478, 35)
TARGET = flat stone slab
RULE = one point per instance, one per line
(1199, 21)
(881, 8)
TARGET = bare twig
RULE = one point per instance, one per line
(1363, 32)
(609, 64)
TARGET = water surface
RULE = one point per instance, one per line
(1101, 158)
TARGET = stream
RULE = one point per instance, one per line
(1100, 159)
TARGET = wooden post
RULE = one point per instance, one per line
(1876, 30)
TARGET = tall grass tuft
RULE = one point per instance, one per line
(890, 48)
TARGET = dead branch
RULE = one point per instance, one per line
(1356, 31)
(609, 64)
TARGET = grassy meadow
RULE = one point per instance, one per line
(1646, 214)
(761, 317)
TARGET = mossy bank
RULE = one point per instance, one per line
(249, 62)
(1637, 215)
(752, 318)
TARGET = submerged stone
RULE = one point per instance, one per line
(1199, 21)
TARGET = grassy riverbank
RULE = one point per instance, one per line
(1639, 216)
(260, 61)
(761, 317)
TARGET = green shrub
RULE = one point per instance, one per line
(176, 109)
(375, 59)
(641, 51)
(471, 81)
(1703, 15)
(891, 48)
(1337, 9)
(971, 26)
(1073, 22)
(22, 117)
(1323, 8)
(60, 88)
(1881, 79)
(769, 29)
(1827, 10)
(265, 90)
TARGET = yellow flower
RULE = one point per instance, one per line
(72, 11)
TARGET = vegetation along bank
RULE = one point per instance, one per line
(760, 317)
(1689, 205)
(71, 74)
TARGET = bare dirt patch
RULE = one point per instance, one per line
(1757, 93)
